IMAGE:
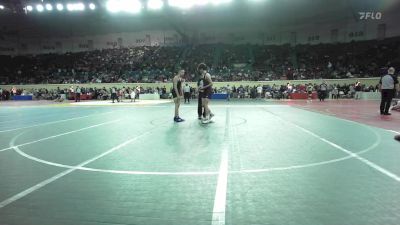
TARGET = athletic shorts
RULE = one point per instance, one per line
(206, 94)
(174, 95)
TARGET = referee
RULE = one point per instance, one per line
(388, 85)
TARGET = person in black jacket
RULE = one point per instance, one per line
(322, 91)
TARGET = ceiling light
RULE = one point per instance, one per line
(39, 8)
(49, 7)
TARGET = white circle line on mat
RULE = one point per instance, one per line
(196, 173)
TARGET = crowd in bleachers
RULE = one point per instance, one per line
(275, 61)
(273, 91)
(226, 62)
(60, 94)
(347, 60)
(126, 65)
(196, 55)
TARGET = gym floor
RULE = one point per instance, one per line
(259, 162)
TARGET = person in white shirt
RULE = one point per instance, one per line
(121, 94)
(78, 92)
(114, 94)
(259, 91)
(228, 92)
(186, 93)
(310, 90)
(137, 92)
(133, 95)
(335, 92)
(358, 90)
(289, 88)
(389, 86)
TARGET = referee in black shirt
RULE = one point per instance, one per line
(388, 85)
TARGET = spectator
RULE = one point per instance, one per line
(78, 93)
(186, 93)
(322, 91)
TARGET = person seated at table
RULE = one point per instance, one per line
(335, 93)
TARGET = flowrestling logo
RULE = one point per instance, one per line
(370, 15)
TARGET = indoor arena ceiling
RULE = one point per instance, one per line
(238, 13)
